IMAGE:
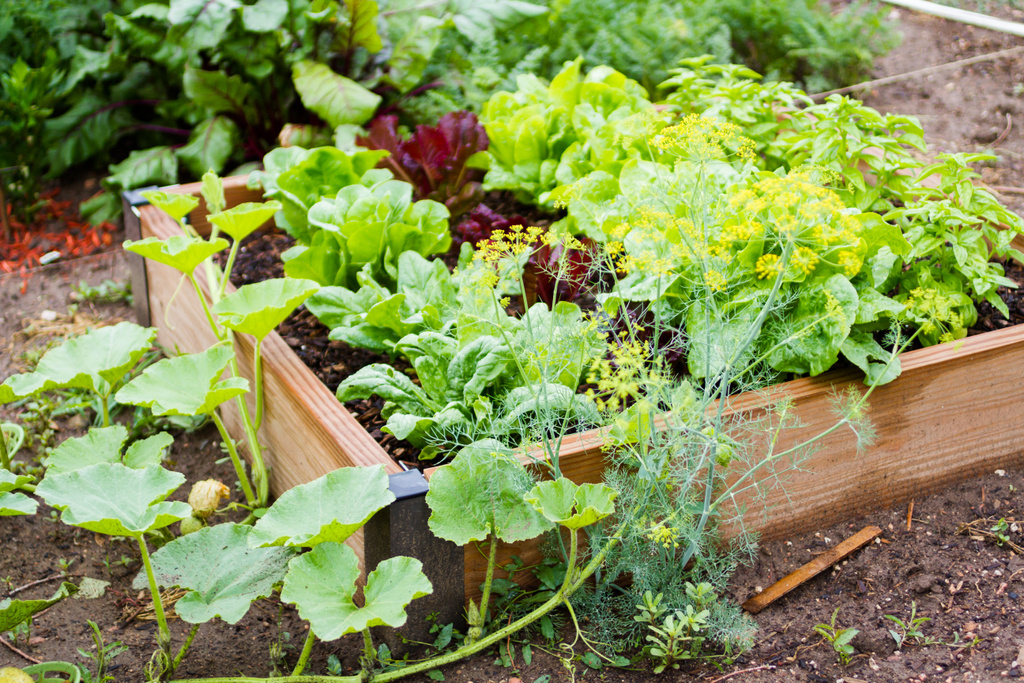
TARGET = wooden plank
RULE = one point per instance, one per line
(926, 437)
(811, 569)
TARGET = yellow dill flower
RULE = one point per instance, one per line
(665, 536)
(767, 266)
(703, 139)
(613, 248)
(513, 242)
(715, 281)
(805, 259)
(850, 262)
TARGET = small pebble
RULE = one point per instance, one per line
(1012, 595)
(48, 315)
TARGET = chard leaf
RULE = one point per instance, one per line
(264, 16)
(216, 91)
(153, 166)
(330, 508)
(242, 220)
(96, 360)
(222, 574)
(211, 146)
(181, 252)
(572, 506)
(115, 500)
(14, 612)
(204, 23)
(411, 54)
(258, 308)
(176, 205)
(481, 494)
(362, 28)
(104, 444)
(185, 385)
(335, 99)
(322, 584)
(9, 481)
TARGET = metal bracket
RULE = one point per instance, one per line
(401, 529)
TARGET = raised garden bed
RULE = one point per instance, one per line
(951, 415)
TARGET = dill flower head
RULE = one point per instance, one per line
(702, 139)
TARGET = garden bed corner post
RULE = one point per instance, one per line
(131, 201)
(401, 529)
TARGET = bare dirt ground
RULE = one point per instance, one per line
(971, 591)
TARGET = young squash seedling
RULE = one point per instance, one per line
(838, 638)
(253, 309)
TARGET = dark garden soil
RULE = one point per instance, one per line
(970, 589)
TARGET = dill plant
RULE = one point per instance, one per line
(722, 253)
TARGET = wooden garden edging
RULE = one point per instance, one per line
(951, 415)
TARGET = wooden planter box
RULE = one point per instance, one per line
(952, 414)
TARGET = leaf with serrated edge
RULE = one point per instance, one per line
(176, 205)
(181, 252)
(93, 361)
(242, 220)
(330, 508)
(185, 385)
(115, 500)
(322, 583)
(480, 493)
(572, 506)
(13, 612)
(258, 308)
(221, 572)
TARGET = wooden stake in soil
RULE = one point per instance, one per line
(811, 569)
(910, 513)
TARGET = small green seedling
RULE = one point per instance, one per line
(839, 638)
(911, 629)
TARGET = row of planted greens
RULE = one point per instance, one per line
(670, 230)
(164, 90)
(725, 237)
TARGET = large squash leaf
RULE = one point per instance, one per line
(258, 308)
(335, 99)
(322, 584)
(481, 494)
(330, 508)
(96, 360)
(115, 500)
(572, 506)
(185, 385)
(13, 612)
(181, 252)
(104, 444)
(222, 573)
